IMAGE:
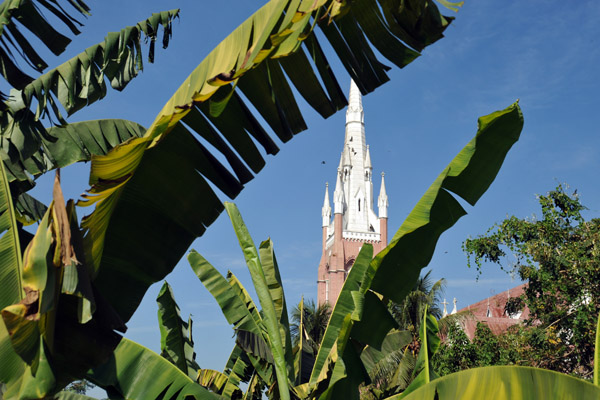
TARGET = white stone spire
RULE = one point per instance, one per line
(368, 159)
(382, 201)
(338, 195)
(326, 211)
(454, 311)
(354, 113)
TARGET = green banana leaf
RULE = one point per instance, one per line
(45, 335)
(393, 272)
(28, 13)
(468, 175)
(338, 370)
(273, 278)
(74, 84)
(505, 382)
(253, 57)
(238, 369)
(176, 342)
(61, 146)
(11, 367)
(236, 305)
(29, 210)
(430, 342)
(80, 81)
(10, 250)
(212, 380)
(134, 372)
(270, 318)
(252, 351)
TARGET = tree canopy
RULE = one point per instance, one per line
(557, 254)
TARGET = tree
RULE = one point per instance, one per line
(314, 318)
(425, 293)
(392, 369)
(557, 255)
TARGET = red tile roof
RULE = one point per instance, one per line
(498, 321)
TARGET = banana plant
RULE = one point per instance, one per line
(49, 306)
(274, 50)
(360, 318)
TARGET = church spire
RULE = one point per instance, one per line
(368, 159)
(382, 201)
(354, 221)
(326, 211)
(338, 195)
(354, 113)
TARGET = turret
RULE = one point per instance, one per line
(326, 210)
(382, 200)
(354, 113)
(338, 195)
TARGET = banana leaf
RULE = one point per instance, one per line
(80, 81)
(11, 367)
(236, 305)
(505, 382)
(273, 278)
(74, 84)
(468, 175)
(270, 318)
(134, 372)
(176, 341)
(393, 272)
(45, 336)
(28, 13)
(430, 342)
(173, 204)
(61, 146)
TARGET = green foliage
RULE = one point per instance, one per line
(155, 189)
(79, 387)
(314, 318)
(425, 294)
(557, 255)
(456, 353)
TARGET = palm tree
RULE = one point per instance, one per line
(314, 319)
(409, 313)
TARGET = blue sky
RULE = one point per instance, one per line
(544, 53)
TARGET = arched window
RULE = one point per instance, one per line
(358, 204)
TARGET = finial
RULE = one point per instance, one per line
(382, 174)
(445, 311)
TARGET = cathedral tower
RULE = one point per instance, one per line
(354, 220)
